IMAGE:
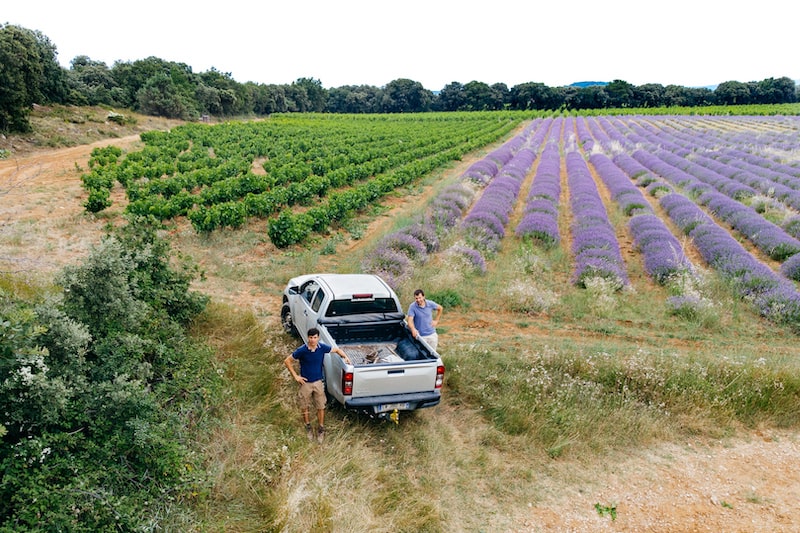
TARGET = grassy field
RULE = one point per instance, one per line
(551, 390)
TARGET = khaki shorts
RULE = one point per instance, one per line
(312, 393)
(432, 340)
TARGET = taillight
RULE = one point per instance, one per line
(439, 376)
(347, 383)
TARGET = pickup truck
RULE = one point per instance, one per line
(389, 370)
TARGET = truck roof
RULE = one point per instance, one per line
(344, 286)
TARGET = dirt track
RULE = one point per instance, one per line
(749, 484)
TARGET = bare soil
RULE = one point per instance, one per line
(748, 483)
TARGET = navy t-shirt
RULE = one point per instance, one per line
(311, 361)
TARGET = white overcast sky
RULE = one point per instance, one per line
(435, 42)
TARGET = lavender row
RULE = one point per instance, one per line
(623, 191)
(594, 243)
(396, 254)
(766, 236)
(732, 149)
(737, 166)
(662, 253)
(484, 225)
(756, 174)
(775, 297)
(540, 218)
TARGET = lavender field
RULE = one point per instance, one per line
(724, 190)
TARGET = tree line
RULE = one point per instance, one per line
(30, 74)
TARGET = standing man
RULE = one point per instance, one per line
(420, 318)
(312, 388)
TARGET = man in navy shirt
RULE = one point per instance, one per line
(312, 388)
(420, 318)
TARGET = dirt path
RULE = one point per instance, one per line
(747, 484)
(42, 222)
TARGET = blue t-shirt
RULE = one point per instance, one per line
(423, 317)
(311, 361)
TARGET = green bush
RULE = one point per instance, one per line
(98, 200)
(100, 390)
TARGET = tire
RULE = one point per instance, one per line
(287, 321)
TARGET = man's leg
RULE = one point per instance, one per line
(432, 340)
(304, 398)
(319, 401)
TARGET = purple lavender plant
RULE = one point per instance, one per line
(472, 256)
(594, 242)
(791, 267)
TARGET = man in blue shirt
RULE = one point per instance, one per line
(420, 318)
(312, 388)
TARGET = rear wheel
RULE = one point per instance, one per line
(287, 321)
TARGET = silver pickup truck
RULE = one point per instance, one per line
(390, 371)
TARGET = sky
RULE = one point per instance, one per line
(693, 43)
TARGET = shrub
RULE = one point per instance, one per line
(791, 267)
(98, 200)
(446, 298)
(101, 386)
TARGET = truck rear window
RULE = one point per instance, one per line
(358, 307)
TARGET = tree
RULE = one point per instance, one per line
(534, 95)
(354, 99)
(732, 93)
(160, 97)
(133, 77)
(480, 97)
(297, 99)
(620, 94)
(220, 90)
(92, 82)
(501, 94)
(21, 72)
(267, 99)
(316, 93)
(406, 96)
(53, 84)
(776, 91)
(452, 97)
(648, 95)
(592, 97)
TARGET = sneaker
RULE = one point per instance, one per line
(309, 432)
(320, 434)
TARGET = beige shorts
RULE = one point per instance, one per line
(312, 393)
(432, 340)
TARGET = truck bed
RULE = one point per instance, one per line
(372, 339)
(372, 353)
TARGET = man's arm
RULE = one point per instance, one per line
(410, 320)
(289, 362)
(341, 354)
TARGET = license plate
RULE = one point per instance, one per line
(403, 406)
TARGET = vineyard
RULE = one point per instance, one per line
(724, 185)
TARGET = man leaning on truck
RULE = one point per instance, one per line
(420, 318)
(312, 388)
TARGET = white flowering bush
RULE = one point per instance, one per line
(98, 386)
(602, 294)
(688, 299)
(524, 296)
